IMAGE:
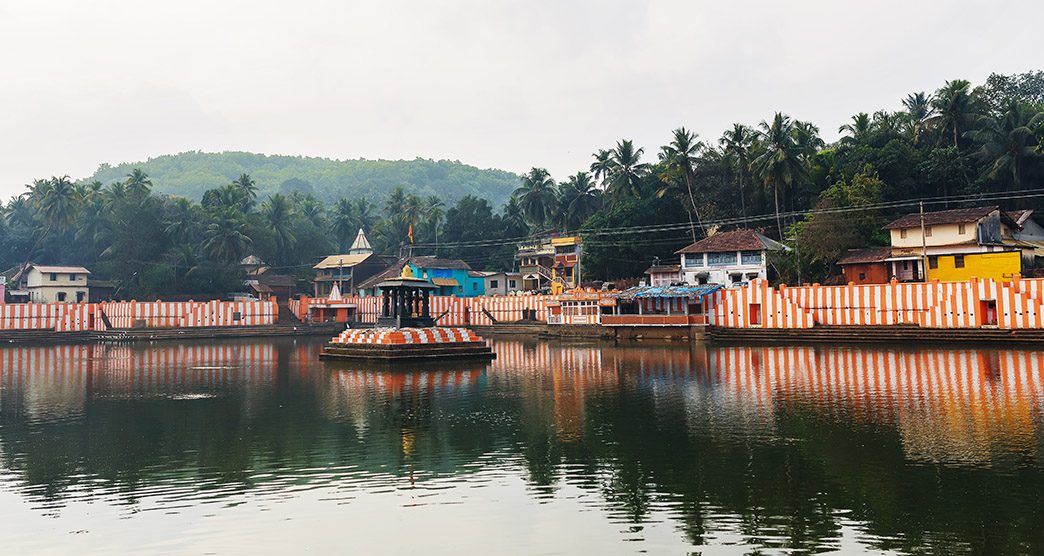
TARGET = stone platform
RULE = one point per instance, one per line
(407, 344)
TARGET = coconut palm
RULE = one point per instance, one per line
(919, 112)
(736, 144)
(678, 157)
(434, 212)
(779, 163)
(537, 196)
(625, 177)
(247, 187)
(859, 128)
(138, 183)
(278, 215)
(602, 166)
(58, 202)
(578, 199)
(344, 223)
(954, 108)
(1009, 143)
(225, 238)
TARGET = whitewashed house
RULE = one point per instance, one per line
(728, 258)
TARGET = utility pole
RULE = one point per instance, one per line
(924, 247)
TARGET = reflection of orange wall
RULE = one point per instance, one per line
(970, 399)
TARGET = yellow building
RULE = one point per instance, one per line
(956, 244)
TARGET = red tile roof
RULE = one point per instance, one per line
(736, 240)
(663, 269)
(952, 216)
(863, 256)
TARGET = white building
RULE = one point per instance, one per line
(501, 283)
(663, 275)
(55, 284)
(728, 258)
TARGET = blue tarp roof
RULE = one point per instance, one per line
(691, 292)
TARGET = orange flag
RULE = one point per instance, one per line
(409, 233)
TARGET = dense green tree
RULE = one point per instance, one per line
(578, 199)
(1009, 143)
(778, 162)
(678, 158)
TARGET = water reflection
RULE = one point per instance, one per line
(790, 448)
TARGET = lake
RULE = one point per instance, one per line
(258, 447)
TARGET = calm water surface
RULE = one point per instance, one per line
(259, 447)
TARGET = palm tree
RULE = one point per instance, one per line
(625, 177)
(364, 213)
(245, 184)
(859, 128)
(138, 183)
(737, 143)
(181, 220)
(602, 166)
(58, 201)
(434, 212)
(578, 199)
(278, 216)
(679, 157)
(536, 196)
(344, 223)
(919, 111)
(953, 108)
(225, 239)
(779, 162)
(1009, 143)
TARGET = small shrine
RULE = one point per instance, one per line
(405, 330)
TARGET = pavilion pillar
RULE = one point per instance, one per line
(426, 304)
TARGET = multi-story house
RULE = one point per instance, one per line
(727, 258)
(549, 260)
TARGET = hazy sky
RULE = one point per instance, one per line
(495, 84)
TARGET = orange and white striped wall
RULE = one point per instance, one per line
(446, 310)
(79, 317)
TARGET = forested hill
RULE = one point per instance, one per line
(189, 174)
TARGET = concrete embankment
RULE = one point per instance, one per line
(162, 334)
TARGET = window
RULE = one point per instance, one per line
(460, 289)
(933, 261)
(751, 257)
(54, 277)
(862, 276)
(721, 259)
(474, 286)
(693, 260)
(958, 261)
(72, 277)
(927, 231)
(61, 297)
(960, 229)
(512, 284)
(494, 284)
(79, 297)
(902, 233)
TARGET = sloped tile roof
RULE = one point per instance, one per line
(940, 217)
(735, 240)
(863, 256)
